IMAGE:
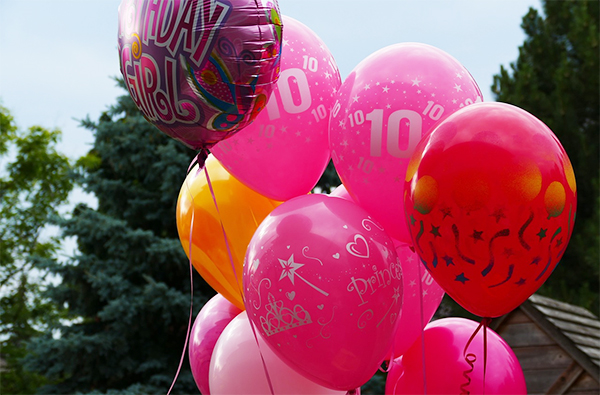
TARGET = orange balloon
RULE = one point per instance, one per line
(240, 210)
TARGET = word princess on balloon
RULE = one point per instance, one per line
(381, 278)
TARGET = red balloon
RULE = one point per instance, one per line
(490, 200)
(199, 70)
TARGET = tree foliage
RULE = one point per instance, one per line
(556, 78)
(34, 182)
(128, 289)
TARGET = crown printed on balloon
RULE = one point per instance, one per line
(279, 318)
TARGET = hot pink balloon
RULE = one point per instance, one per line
(237, 366)
(285, 151)
(323, 286)
(208, 326)
(422, 296)
(387, 103)
(447, 371)
(199, 70)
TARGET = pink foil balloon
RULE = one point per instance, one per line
(199, 70)
(323, 286)
(447, 371)
(285, 151)
(208, 326)
(237, 366)
(387, 103)
(420, 301)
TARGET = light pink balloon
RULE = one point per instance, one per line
(237, 367)
(284, 152)
(323, 286)
(386, 104)
(447, 372)
(420, 301)
(341, 192)
(208, 326)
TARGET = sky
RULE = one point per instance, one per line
(58, 59)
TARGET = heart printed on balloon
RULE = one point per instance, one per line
(328, 292)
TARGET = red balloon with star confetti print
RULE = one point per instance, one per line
(490, 202)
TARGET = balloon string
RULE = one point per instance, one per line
(422, 330)
(486, 323)
(187, 336)
(471, 358)
(212, 192)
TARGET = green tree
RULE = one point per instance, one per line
(35, 181)
(556, 78)
(128, 289)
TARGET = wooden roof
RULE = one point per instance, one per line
(557, 344)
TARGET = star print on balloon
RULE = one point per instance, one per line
(384, 107)
(289, 268)
(289, 271)
(510, 188)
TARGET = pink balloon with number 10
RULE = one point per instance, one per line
(388, 102)
(285, 151)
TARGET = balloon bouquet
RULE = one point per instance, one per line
(440, 193)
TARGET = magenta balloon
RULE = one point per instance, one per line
(208, 326)
(420, 301)
(285, 151)
(323, 285)
(237, 367)
(385, 105)
(199, 70)
(447, 372)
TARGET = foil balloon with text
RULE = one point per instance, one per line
(285, 151)
(384, 107)
(490, 202)
(323, 287)
(199, 70)
(239, 212)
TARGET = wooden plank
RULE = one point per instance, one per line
(542, 357)
(591, 351)
(583, 340)
(586, 382)
(574, 328)
(561, 315)
(544, 301)
(566, 379)
(560, 338)
(514, 317)
(539, 381)
(518, 317)
(527, 334)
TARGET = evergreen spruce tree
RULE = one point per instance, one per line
(556, 79)
(128, 289)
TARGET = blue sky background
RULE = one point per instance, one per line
(58, 58)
